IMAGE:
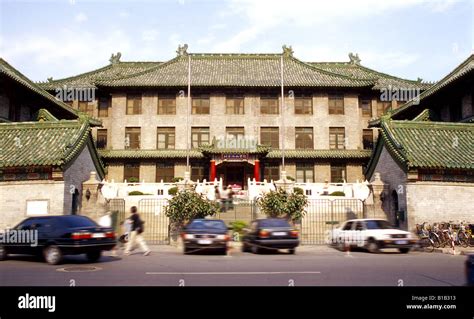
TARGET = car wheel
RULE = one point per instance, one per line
(93, 256)
(292, 251)
(53, 255)
(255, 249)
(341, 245)
(373, 247)
(224, 251)
(404, 250)
(3, 253)
(186, 250)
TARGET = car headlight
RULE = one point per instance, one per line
(188, 236)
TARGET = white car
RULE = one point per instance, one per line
(372, 234)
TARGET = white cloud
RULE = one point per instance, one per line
(80, 17)
(264, 15)
(150, 35)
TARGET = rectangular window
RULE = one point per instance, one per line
(86, 107)
(235, 132)
(337, 137)
(134, 104)
(165, 138)
(368, 139)
(338, 173)
(383, 107)
(104, 104)
(200, 136)
(304, 105)
(131, 172)
(269, 105)
(336, 103)
(234, 105)
(365, 105)
(167, 105)
(271, 172)
(101, 142)
(304, 137)
(304, 173)
(201, 105)
(132, 138)
(164, 172)
(270, 136)
(198, 172)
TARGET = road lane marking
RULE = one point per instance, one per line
(237, 273)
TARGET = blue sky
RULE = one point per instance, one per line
(406, 38)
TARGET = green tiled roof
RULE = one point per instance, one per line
(235, 70)
(323, 154)
(381, 80)
(49, 143)
(151, 154)
(433, 145)
(111, 71)
(9, 71)
(463, 70)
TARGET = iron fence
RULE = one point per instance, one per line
(152, 212)
(324, 215)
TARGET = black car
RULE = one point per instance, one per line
(57, 236)
(205, 235)
(271, 233)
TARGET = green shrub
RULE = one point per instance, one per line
(238, 226)
(133, 180)
(290, 178)
(279, 203)
(173, 191)
(337, 193)
(134, 193)
(298, 190)
(177, 179)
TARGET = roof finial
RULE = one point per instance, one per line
(50, 79)
(115, 58)
(182, 50)
(354, 58)
(419, 80)
(287, 51)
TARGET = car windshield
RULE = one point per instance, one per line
(207, 224)
(78, 221)
(274, 223)
(377, 224)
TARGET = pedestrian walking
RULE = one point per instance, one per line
(136, 233)
(224, 200)
(230, 200)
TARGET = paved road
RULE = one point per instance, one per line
(311, 266)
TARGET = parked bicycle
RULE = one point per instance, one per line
(425, 242)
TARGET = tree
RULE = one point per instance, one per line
(280, 203)
(188, 205)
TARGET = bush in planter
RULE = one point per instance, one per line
(173, 191)
(337, 193)
(187, 205)
(279, 203)
(133, 180)
(290, 178)
(177, 179)
(238, 228)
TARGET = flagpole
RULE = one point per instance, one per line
(187, 114)
(282, 117)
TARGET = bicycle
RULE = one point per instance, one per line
(425, 242)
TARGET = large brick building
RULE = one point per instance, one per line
(324, 126)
